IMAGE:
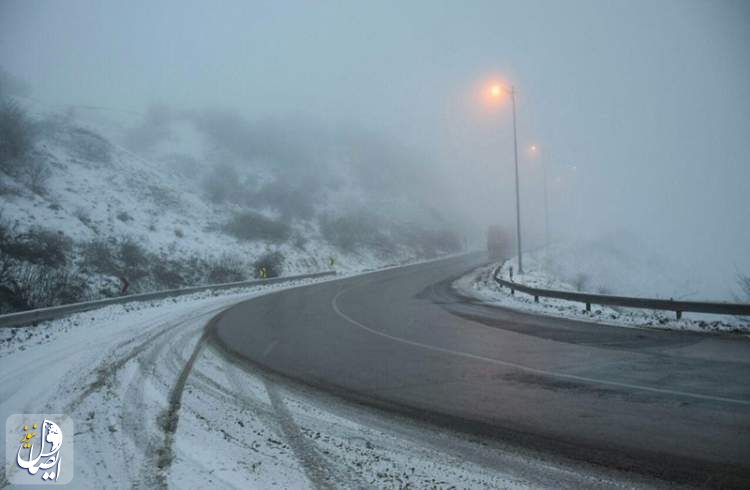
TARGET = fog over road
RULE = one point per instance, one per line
(669, 405)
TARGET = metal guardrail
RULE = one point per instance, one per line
(32, 316)
(738, 309)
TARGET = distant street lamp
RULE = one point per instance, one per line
(496, 90)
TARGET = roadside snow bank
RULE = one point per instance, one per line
(480, 285)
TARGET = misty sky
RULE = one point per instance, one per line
(641, 108)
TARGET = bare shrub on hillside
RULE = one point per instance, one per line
(355, 231)
(84, 217)
(135, 260)
(125, 259)
(291, 200)
(226, 269)
(744, 283)
(17, 137)
(90, 146)
(270, 264)
(124, 216)
(223, 184)
(248, 225)
(35, 174)
(580, 281)
(100, 256)
(168, 274)
(37, 246)
(25, 286)
(163, 197)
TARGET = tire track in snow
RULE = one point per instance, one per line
(107, 370)
(306, 453)
(134, 413)
(171, 417)
(315, 468)
(320, 472)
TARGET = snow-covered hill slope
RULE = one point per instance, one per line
(187, 210)
(115, 195)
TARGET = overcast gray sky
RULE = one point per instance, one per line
(641, 108)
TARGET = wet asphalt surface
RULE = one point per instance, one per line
(670, 405)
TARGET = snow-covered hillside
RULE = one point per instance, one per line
(190, 207)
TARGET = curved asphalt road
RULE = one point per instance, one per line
(671, 405)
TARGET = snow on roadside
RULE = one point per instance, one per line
(480, 285)
(19, 339)
(112, 370)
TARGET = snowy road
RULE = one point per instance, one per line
(114, 371)
(671, 405)
(156, 406)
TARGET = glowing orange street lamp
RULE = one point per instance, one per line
(496, 90)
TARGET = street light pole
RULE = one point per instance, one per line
(495, 91)
(518, 199)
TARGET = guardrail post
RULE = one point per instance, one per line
(536, 299)
(588, 307)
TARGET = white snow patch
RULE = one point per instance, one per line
(480, 285)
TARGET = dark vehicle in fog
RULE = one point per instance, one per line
(498, 242)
